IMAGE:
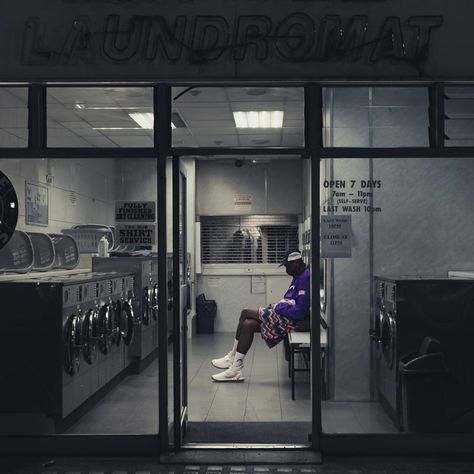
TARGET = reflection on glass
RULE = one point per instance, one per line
(238, 117)
(100, 116)
(459, 115)
(375, 117)
(13, 117)
(81, 330)
(409, 284)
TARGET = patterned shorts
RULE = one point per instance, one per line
(274, 327)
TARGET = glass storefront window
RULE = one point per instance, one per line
(459, 115)
(13, 117)
(238, 117)
(80, 314)
(100, 116)
(375, 117)
(400, 300)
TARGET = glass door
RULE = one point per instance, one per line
(180, 303)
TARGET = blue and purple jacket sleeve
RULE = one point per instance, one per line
(299, 291)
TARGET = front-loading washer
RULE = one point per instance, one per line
(144, 346)
(67, 355)
(416, 307)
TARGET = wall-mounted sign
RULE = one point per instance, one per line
(336, 232)
(135, 234)
(214, 281)
(135, 211)
(258, 285)
(8, 209)
(36, 204)
(243, 202)
(170, 39)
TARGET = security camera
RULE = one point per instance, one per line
(238, 163)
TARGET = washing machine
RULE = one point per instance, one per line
(64, 342)
(406, 310)
(144, 347)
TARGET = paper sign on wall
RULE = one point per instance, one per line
(243, 202)
(336, 233)
(135, 234)
(135, 211)
(258, 284)
(214, 282)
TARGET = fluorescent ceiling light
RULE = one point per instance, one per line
(84, 107)
(259, 119)
(145, 120)
(117, 128)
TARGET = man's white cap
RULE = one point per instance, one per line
(291, 257)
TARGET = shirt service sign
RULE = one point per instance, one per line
(135, 223)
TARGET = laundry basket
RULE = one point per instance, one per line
(87, 236)
(17, 255)
(66, 251)
(43, 251)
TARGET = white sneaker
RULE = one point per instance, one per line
(224, 362)
(232, 374)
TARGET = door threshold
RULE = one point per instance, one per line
(245, 446)
(237, 454)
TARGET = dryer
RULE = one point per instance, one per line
(406, 310)
(144, 346)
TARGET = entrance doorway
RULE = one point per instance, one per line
(238, 239)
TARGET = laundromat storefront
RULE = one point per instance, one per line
(89, 123)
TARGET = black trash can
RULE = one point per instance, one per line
(206, 314)
(423, 379)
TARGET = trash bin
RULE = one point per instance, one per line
(423, 377)
(206, 314)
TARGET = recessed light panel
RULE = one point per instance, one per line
(259, 119)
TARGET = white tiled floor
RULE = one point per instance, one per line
(264, 396)
(266, 393)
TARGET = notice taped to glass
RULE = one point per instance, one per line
(336, 232)
(135, 234)
(135, 211)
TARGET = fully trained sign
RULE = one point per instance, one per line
(135, 234)
(135, 211)
(336, 232)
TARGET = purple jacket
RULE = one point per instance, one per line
(299, 291)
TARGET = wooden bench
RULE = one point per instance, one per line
(300, 343)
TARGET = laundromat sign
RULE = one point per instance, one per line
(183, 39)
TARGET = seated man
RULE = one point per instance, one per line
(272, 322)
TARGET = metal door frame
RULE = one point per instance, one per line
(312, 130)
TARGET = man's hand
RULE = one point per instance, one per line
(270, 306)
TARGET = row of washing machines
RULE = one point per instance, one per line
(67, 337)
